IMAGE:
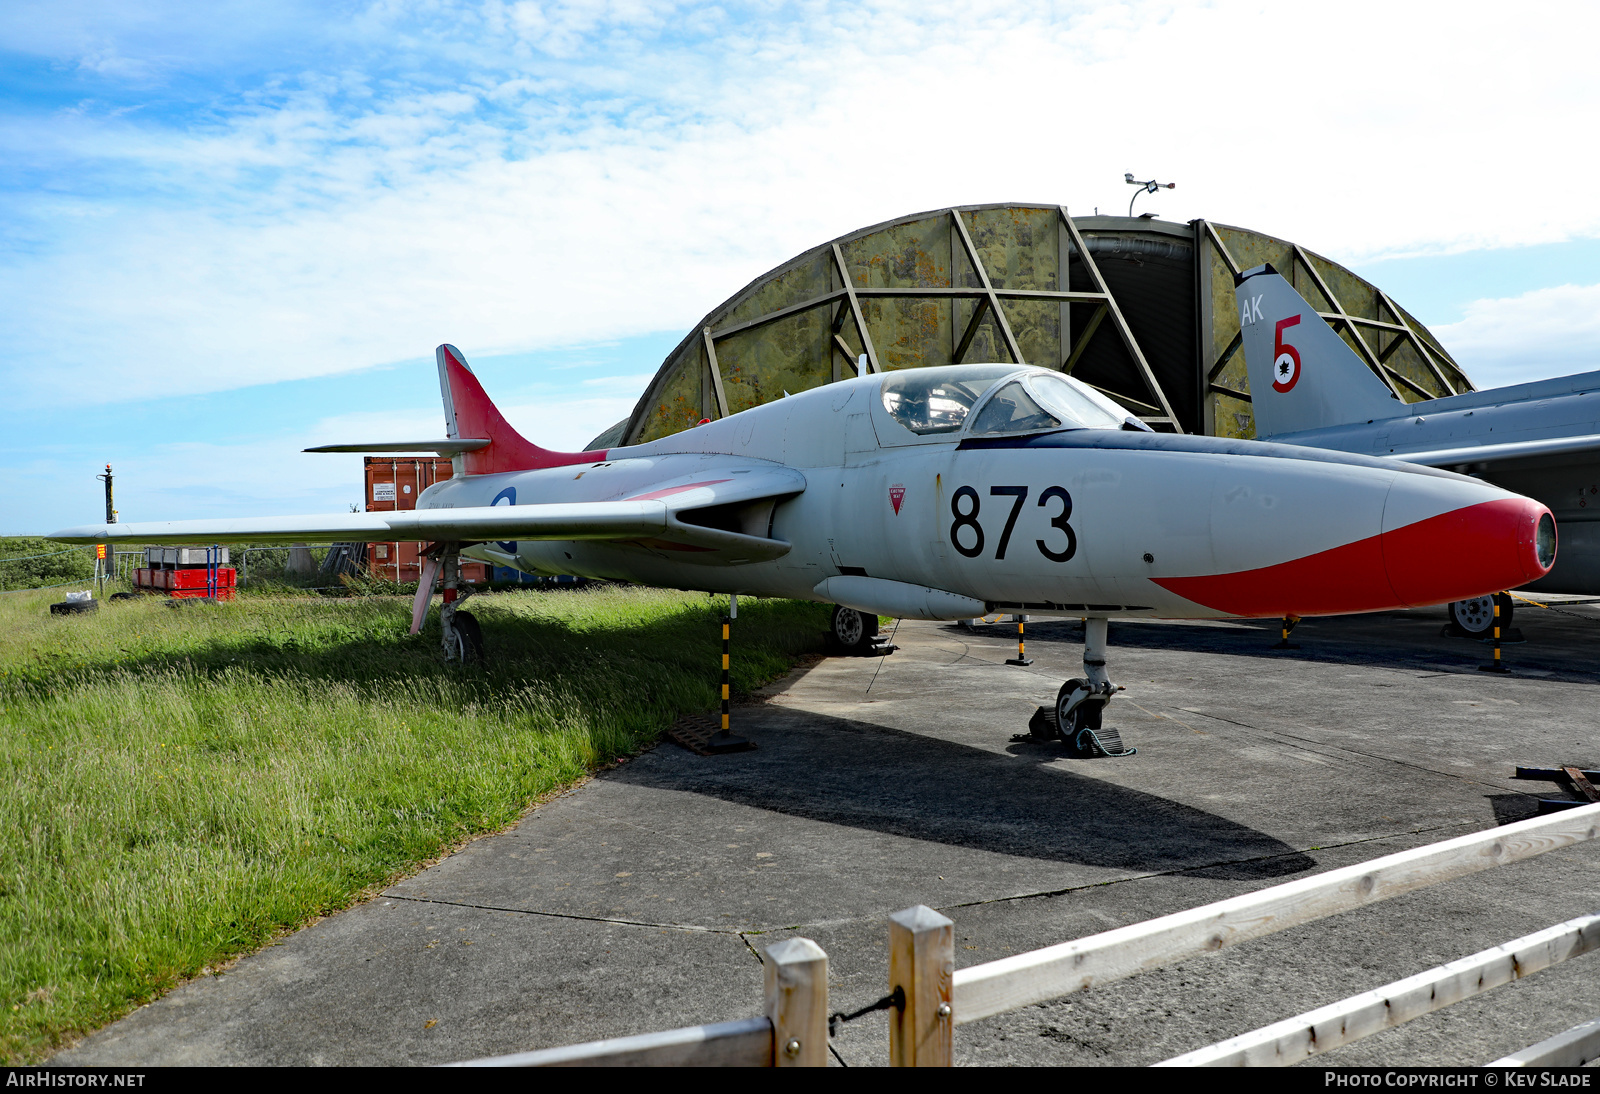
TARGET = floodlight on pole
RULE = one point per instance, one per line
(1145, 186)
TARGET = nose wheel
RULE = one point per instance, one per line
(1080, 712)
(1081, 703)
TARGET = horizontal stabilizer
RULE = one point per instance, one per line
(444, 447)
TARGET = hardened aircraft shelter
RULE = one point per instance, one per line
(1141, 308)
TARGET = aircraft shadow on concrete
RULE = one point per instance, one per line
(1565, 646)
(869, 777)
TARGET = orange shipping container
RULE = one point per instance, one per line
(395, 484)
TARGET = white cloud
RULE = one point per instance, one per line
(1548, 332)
(516, 176)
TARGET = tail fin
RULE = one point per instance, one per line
(468, 413)
(1302, 375)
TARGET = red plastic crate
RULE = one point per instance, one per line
(196, 579)
(200, 594)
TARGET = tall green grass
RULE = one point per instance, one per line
(182, 785)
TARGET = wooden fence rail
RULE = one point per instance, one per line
(932, 998)
(792, 1033)
(1577, 1047)
(745, 1043)
(1349, 1020)
(1049, 973)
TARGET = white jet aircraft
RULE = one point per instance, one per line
(943, 493)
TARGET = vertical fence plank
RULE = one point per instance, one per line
(797, 1003)
(922, 961)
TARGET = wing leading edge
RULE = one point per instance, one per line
(719, 517)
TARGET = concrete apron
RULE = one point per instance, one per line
(640, 901)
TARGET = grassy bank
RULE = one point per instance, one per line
(182, 785)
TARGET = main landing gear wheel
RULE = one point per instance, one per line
(469, 639)
(1476, 616)
(850, 631)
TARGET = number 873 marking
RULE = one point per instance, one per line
(1019, 494)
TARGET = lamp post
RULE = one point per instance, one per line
(1149, 186)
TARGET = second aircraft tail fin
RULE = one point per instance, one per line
(1302, 374)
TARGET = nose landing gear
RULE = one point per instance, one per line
(1080, 704)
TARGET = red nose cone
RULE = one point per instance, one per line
(1472, 551)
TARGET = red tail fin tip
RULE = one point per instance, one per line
(469, 412)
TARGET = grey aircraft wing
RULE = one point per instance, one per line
(688, 514)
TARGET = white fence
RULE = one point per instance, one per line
(933, 998)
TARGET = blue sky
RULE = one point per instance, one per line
(228, 231)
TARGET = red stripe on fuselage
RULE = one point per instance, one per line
(669, 491)
(1466, 552)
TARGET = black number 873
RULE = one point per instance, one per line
(969, 520)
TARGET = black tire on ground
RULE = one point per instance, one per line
(1476, 616)
(124, 596)
(74, 607)
(850, 631)
(469, 638)
(1070, 726)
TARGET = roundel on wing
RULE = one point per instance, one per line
(509, 496)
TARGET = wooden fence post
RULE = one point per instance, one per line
(922, 962)
(797, 1002)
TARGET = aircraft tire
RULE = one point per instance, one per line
(1475, 617)
(469, 638)
(1069, 727)
(850, 631)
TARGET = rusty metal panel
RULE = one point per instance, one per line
(1226, 416)
(906, 332)
(807, 277)
(678, 400)
(789, 354)
(914, 254)
(1019, 248)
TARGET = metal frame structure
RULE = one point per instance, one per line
(950, 286)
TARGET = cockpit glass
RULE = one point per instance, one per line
(937, 400)
(1012, 410)
(1074, 403)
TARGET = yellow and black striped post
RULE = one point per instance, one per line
(725, 627)
(1022, 657)
(722, 740)
(1289, 624)
(1496, 665)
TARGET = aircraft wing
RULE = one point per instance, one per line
(1500, 453)
(580, 520)
(706, 517)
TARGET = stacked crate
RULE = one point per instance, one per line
(186, 572)
(395, 484)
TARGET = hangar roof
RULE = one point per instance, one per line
(1140, 308)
